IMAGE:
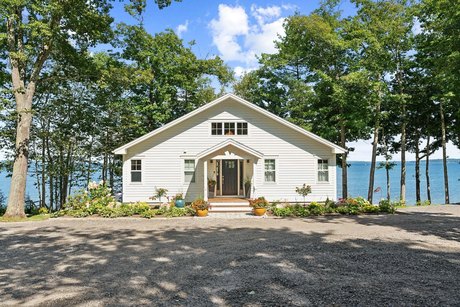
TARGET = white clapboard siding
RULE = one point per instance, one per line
(163, 157)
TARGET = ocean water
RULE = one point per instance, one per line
(358, 180)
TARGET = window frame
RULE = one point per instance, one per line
(186, 170)
(135, 171)
(242, 129)
(235, 129)
(321, 163)
(274, 170)
(221, 128)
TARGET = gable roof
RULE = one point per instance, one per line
(232, 142)
(123, 149)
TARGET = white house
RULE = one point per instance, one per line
(231, 141)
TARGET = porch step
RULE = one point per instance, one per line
(228, 206)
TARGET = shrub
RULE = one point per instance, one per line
(43, 210)
(149, 213)
(316, 209)
(283, 212)
(260, 202)
(176, 212)
(370, 209)
(386, 206)
(93, 201)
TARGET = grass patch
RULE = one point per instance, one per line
(33, 218)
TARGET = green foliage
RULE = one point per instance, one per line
(43, 211)
(424, 203)
(387, 206)
(316, 208)
(149, 213)
(303, 190)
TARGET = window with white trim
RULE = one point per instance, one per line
(189, 171)
(229, 128)
(242, 128)
(136, 170)
(270, 170)
(323, 170)
(216, 128)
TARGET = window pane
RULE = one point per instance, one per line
(189, 165)
(189, 170)
(323, 176)
(189, 176)
(323, 170)
(269, 165)
(136, 165)
(269, 176)
(242, 128)
(270, 170)
(229, 128)
(136, 176)
(216, 128)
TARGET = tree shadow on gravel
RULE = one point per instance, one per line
(442, 225)
(62, 266)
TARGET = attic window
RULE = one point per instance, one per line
(229, 128)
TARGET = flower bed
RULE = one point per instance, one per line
(349, 206)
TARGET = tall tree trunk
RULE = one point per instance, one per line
(23, 96)
(427, 169)
(344, 162)
(444, 153)
(417, 170)
(402, 195)
(370, 192)
(16, 196)
(387, 169)
(43, 174)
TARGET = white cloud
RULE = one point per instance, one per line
(182, 28)
(231, 23)
(240, 38)
(241, 71)
(262, 14)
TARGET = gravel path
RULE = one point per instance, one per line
(410, 258)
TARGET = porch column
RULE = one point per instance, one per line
(205, 179)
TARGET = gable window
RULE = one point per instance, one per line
(323, 170)
(229, 128)
(216, 128)
(189, 171)
(270, 170)
(242, 128)
(136, 170)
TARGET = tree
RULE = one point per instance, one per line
(437, 50)
(384, 30)
(34, 31)
(314, 76)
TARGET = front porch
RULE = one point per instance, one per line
(229, 172)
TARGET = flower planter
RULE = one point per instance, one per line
(259, 211)
(180, 203)
(202, 213)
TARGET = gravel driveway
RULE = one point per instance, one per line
(410, 258)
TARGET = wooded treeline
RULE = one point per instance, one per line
(390, 72)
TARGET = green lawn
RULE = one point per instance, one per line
(33, 218)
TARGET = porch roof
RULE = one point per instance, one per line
(226, 143)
